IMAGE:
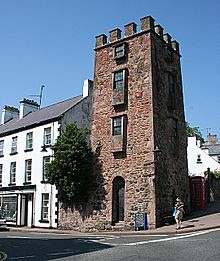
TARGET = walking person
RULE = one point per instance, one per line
(179, 213)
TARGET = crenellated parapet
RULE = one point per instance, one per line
(146, 25)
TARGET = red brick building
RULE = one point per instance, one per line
(138, 128)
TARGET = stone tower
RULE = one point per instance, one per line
(138, 125)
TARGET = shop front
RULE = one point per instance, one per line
(17, 205)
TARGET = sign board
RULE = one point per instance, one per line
(140, 221)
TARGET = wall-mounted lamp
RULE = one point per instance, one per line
(157, 153)
(44, 148)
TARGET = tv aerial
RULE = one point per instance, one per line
(39, 95)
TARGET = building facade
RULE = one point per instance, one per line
(26, 137)
(138, 132)
(198, 159)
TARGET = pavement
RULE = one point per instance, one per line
(198, 220)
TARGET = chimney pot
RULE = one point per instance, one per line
(27, 106)
(9, 113)
(130, 29)
(147, 23)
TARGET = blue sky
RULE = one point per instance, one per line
(51, 42)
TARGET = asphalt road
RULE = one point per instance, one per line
(198, 246)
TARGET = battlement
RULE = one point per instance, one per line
(147, 24)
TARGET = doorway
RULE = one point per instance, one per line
(118, 195)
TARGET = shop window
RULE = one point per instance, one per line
(9, 208)
(1, 148)
(46, 160)
(47, 136)
(28, 170)
(13, 173)
(14, 145)
(45, 207)
(29, 141)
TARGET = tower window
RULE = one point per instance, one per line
(118, 79)
(120, 51)
(117, 126)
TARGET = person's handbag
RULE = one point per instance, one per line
(174, 212)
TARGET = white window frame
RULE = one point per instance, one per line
(47, 136)
(28, 170)
(1, 171)
(1, 147)
(29, 140)
(13, 173)
(45, 206)
(14, 142)
(46, 160)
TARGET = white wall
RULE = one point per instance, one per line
(37, 167)
(195, 168)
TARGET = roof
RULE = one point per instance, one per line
(214, 149)
(39, 117)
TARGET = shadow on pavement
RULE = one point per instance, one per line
(47, 249)
(211, 208)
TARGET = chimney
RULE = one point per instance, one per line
(87, 88)
(147, 23)
(100, 40)
(115, 35)
(27, 106)
(130, 29)
(9, 113)
(212, 138)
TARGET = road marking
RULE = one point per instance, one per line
(165, 239)
(21, 257)
(60, 253)
(18, 237)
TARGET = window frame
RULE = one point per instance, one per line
(1, 172)
(46, 135)
(14, 144)
(115, 132)
(44, 163)
(122, 79)
(121, 53)
(1, 148)
(45, 208)
(13, 173)
(28, 170)
(29, 141)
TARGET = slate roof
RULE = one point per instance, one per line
(214, 149)
(39, 117)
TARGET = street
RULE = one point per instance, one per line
(199, 246)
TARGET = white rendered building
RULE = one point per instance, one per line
(26, 136)
(198, 159)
